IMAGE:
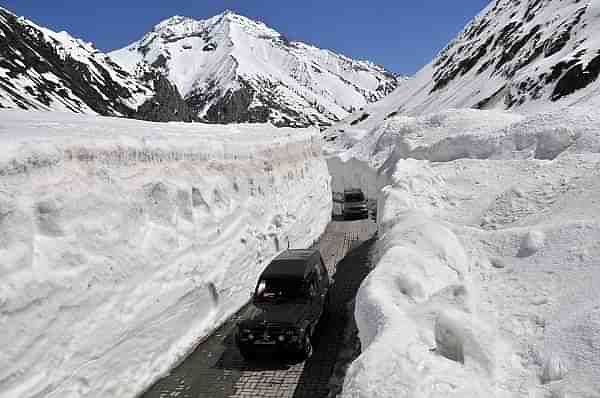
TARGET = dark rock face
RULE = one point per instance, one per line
(234, 107)
(166, 105)
(577, 78)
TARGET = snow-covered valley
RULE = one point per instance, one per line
(487, 277)
(124, 242)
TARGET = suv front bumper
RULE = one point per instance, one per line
(270, 346)
(357, 212)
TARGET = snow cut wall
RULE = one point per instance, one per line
(122, 242)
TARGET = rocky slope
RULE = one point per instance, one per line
(521, 55)
(233, 69)
(44, 70)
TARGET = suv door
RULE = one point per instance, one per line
(325, 274)
(316, 300)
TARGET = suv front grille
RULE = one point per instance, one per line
(273, 329)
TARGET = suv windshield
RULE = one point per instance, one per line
(280, 290)
(355, 197)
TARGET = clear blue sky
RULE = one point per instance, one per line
(401, 35)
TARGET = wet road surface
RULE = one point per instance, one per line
(217, 370)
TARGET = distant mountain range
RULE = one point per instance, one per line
(225, 69)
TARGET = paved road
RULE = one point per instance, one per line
(216, 369)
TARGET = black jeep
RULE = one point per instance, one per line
(288, 302)
(355, 204)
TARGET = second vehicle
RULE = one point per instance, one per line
(355, 204)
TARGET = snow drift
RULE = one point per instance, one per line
(122, 243)
(487, 257)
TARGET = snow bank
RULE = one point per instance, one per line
(473, 134)
(125, 242)
(415, 312)
(487, 263)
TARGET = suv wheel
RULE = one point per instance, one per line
(248, 355)
(327, 310)
(307, 348)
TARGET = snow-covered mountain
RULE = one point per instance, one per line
(521, 55)
(44, 70)
(232, 69)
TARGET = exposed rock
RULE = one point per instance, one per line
(166, 104)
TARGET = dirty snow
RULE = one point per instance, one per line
(487, 273)
(125, 242)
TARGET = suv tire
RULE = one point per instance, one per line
(247, 355)
(307, 347)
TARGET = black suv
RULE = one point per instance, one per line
(355, 204)
(288, 302)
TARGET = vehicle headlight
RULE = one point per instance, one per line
(281, 338)
(251, 336)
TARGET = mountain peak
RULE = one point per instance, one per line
(231, 68)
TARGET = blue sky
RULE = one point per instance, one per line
(401, 35)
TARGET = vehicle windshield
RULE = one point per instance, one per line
(355, 197)
(280, 290)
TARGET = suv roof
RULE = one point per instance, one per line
(292, 264)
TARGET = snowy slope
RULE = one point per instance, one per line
(44, 70)
(122, 242)
(41, 69)
(522, 55)
(231, 68)
(487, 271)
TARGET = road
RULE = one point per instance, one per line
(217, 370)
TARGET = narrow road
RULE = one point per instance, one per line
(217, 370)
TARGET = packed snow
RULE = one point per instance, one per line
(123, 243)
(487, 274)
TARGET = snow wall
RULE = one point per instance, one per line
(123, 243)
(483, 285)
